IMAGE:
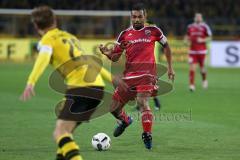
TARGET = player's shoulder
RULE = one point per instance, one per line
(123, 33)
(46, 43)
(204, 24)
(54, 35)
(153, 27)
(155, 30)
(49, 37)
(45, 39)
(191, 25)
(126, 30)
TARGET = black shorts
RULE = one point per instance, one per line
(80, 103)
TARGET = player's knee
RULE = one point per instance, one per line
(143, 100)
(203, 70)
(143, 105)
(145, 108)
(192, 67)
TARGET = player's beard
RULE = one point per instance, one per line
(138, 26)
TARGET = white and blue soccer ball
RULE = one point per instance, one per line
(101, 141)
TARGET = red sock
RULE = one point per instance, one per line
(191, 77)
(120, 114)
(147, 120)
(124, 116)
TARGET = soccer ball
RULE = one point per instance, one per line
(101, 141)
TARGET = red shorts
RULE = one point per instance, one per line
(197, 58)
(137, 84)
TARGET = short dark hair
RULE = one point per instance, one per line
(138, 7)
(43, 17)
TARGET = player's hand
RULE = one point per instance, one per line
(171, 74)
(27, 93)
(201, 40)
(118, 82)
(105, 50)
(186, 41)
(125, 44)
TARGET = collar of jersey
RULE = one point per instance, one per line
(198, 24)
(139, 29)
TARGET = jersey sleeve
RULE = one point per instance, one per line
(45, 46)
(120, 37)
(208, 30)
(39, 66)
(45, 50)
(188, 30)
(160, 37)
(117, 50)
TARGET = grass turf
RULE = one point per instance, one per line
(192, 126)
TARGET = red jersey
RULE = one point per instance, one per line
(195, 31)
(140, 59)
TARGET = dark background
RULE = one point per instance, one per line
(172, 16)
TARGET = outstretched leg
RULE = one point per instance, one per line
(122, 118)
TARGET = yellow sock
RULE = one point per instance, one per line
(59, 154)
(68, 147)
(77, 158)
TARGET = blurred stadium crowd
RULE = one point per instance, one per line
(171, 15)
(165, 8)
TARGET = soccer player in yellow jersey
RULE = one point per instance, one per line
(57, 47)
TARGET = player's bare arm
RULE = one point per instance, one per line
(186, 40)
(168, 54)
(125, 44)
(203, 40)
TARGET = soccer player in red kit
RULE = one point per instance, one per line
(140, 76)
(198, 33)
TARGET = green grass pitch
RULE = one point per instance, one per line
(203, 125)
